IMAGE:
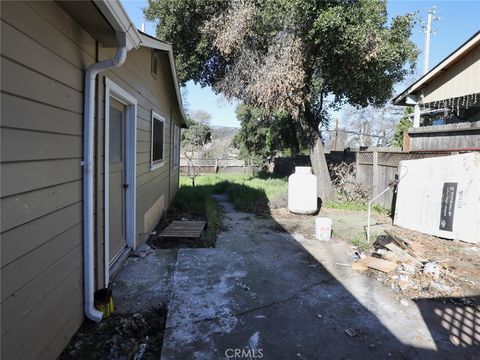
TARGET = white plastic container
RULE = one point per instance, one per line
(323, 228)
(302, 191)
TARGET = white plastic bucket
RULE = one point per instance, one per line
(323, 228)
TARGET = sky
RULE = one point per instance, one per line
(459, 20)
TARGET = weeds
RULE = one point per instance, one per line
(247, 193)
(214, 222)
(360, 242)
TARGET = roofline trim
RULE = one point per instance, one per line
(153, 43)
(116, 16)
(453, 57)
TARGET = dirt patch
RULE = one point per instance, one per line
(284, 213)
(120, 336)
(457, 264)
(279, 202)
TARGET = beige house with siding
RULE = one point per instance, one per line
(89, 161)
(446, 103)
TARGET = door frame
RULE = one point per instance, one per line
(130, 102)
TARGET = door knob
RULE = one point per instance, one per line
(125, 186)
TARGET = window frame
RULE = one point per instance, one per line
(155, 164)
(176, 143)
(154, 60)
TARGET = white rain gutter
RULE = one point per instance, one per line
(88, 171)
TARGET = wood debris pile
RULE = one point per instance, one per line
(345, 183)
(406, 271)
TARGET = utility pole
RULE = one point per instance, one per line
(428, 32)
(336, 135)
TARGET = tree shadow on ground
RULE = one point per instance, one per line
(195, 203)
(260, 289)
(453, 321)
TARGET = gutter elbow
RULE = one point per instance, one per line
(93, 314)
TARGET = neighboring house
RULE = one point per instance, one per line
(446, 103)
(89, 163)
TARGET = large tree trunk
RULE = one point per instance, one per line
(320, 169)
(317, 156)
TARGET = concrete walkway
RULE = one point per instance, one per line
(261, 290)
(267, 293)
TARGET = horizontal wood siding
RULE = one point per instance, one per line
(43, 57)
(445, 141)
(152, 94)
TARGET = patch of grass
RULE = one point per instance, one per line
(214, 222)
(247, 193)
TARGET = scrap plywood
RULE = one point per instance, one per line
(183, 229)
(378, 264)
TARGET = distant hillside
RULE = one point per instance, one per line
(221, 145)
(219, 132)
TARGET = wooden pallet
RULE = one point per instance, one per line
(183, 229)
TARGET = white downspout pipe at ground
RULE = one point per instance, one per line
(88, 172)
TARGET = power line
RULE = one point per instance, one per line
(356, 133)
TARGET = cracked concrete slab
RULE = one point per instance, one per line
(266, 293)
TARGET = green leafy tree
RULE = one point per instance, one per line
(196, 135)
(290, 55)
(194, 138)
(263, 134)
(402, 126)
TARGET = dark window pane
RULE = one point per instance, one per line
(115, 136)
(157, 140)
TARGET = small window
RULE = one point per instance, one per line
(157, 150)
(154, 65)
(176, 146)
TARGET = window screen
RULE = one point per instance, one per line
(158, 130)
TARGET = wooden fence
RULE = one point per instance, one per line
(443, 137)
(285, 166)
(376, 169)
(215, 166)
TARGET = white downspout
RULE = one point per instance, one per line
(88, 170)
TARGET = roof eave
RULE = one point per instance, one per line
(119, 20)
(153, 43)
(449, 60)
